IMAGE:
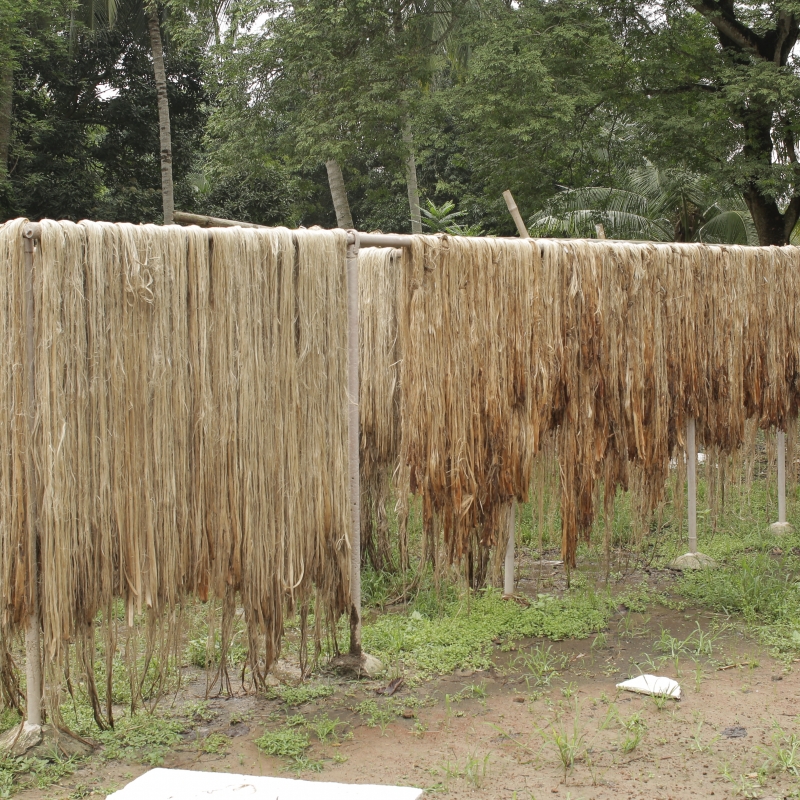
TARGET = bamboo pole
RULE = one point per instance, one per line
(184, 218)
(691, 478)
(33, 649)
(508, 567)
(781, 526)
(781, 477)
(352, 443)
(517, 217)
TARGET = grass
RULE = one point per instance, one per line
(762, 589)
(8, 719)
(285, 742)
(141, 739)
(299, 695)
(463, 635)
(29, 773)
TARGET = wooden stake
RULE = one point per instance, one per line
(33, 648)
(352, 444)
(508, 582)
(512, 207)
(691, 479)
(601, 231)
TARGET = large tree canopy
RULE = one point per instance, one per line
(537, 96)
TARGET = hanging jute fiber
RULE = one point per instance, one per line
(379, 277)
(190, 436)
(613, 346)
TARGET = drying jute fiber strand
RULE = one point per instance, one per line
(379, 403)
(190, 434)
(610, 346)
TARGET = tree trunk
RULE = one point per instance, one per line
(165, 135)
(6, 98)
(773, 227)
(344, 219)
(411, 179)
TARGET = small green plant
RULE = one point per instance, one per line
(419, 729)
(569, 690)
(300, 695)
(783, 754)
(633, 731)
(660, 701)
(374, 714)
(567, 740)
(286, 743)
(540, 665)
(325, 728)
(473, 771)
(600, 642)
(697, 739)
(199, 711)
(214, 744)
(142, 738)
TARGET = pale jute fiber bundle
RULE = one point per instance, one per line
(191, 427)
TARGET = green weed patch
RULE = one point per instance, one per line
(463, 635)
(764, 591)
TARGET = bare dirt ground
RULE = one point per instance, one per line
(508, 731)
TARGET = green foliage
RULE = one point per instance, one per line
(650, 203)
(32, 773)
(141, 739)
(298, 695)
(761, 588)
(444, 219)
(8, 719)
(287, 743)
(462, 637)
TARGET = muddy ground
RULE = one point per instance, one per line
(540, 723)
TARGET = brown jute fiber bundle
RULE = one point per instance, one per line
(613, 346)
(379, 277)
(190, 433)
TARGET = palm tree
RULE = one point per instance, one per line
(651, 203)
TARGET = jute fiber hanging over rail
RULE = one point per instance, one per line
(611, 345)
(191, 427)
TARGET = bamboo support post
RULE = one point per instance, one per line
(184, 218)
(508, 576)
(352, 442)
(781, 526)
(692, 559)
(517, 217)
(508, 580)
(33, 650)
(691, 479)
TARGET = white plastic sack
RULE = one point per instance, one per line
(652, 685)
(180, 784)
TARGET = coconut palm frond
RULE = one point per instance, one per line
(729, 227)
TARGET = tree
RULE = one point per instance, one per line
(95, 13)
(164, 132)
(650, 203)
(85, 136)
(719, 86)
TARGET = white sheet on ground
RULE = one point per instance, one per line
(652, 684)
(181, 784)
